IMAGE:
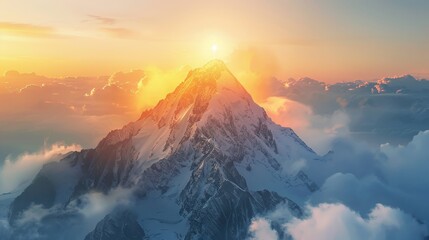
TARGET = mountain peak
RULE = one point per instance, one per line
(215, 63)
(210, 83)
(210, 71)
(214, 76)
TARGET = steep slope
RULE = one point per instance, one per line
(203, 162)
(119, 225)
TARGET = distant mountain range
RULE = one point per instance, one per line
(388, 110)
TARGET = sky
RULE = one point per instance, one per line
(332, 40)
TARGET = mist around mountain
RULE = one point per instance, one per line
(208, 163)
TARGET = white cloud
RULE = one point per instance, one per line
(15, 172)
(99, 204)
(407, 166)
(260, 229)
(361, 177)
(316, 130)
(336, 221)
(347, 156)
(359, 194)
(34, 214)
(77, 218)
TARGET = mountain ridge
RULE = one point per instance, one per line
(206, 155)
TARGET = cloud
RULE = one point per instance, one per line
(15, 172)
(336, 221)
(131, 81)
(359, 176)
(255, 68)
(103, 20)
(157, 83)
(34, 214)
(287, 112)
(407, 165)
(28, 30)
(260, 229)
(119, 32)
(359, 194)
(360, 173)
(117, 96)
(356, 173)
(111, 99)
(318, 131)
(347, 156)
(109, 27)
(99, 204)
(46, 109)
(4, 229)
(270, 225)
(69, 222)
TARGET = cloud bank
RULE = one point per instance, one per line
(318, 131)
(365, 193)
(69, 222)
(336, 221)
(394, 175)
(75, 109)
(261, 229)
(16, 172)
(367, 190)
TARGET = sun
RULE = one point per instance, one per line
(214, 49)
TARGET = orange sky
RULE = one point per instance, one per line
(330, 41)
(105, 40)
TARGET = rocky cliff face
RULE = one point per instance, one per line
(201, 163)
(119, 225)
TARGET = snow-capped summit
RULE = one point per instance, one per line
(202, 162)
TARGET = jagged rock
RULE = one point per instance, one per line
(119, 225)
(41, 192)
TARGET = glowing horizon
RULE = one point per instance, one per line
(92, 39)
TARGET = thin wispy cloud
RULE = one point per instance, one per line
(119, 32)
(15, 172)
(111, 27)
(103, 20)
(28, 30)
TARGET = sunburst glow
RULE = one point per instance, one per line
(214, 49)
